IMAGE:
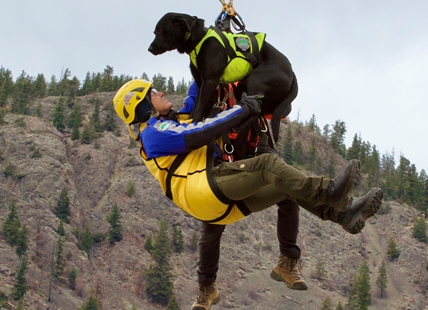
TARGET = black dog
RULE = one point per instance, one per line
(271, 76)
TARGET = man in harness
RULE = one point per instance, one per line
(181, 157)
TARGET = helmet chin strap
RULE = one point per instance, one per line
(131, 133)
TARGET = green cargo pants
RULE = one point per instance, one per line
(265, 180)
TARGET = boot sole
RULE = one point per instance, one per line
(302, 286)
(370, 208)
(347, 199)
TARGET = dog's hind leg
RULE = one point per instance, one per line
(283, 109)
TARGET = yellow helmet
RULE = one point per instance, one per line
(131, 96)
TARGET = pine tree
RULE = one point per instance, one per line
(170, 88)
(88, 134)
(12, 225)
(58, 115)
(159, 276)
(419, 229)
(91, 303)
(72, 278)
(288, 147)
(177, 239)
(22, 241)
(115, 229)
(382, 279)
(95, 118)
(59, 260)
(86, 240)
(20, 287)
(313, 155)
(110, 120)
(148, 245)
(172, 303)
(62, 210)
(359, 295)
(331, 167)
(75, 118)
(298, 153)
(75, 134)
(393, 251)
(61, 230)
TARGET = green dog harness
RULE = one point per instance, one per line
(243, 51)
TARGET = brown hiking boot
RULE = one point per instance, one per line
(340, 192)
(354, 219)
(207, 296)
(287, 270)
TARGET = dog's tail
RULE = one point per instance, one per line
(284, 108)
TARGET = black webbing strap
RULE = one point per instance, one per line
(175, 164)
(253, 57)
(229, 50)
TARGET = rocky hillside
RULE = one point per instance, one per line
(45, 161)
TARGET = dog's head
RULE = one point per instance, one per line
(173, 31)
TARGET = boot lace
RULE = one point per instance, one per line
(203, 295)
(294, 266)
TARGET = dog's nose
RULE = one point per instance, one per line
(152, 49)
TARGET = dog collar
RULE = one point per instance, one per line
(187, 36)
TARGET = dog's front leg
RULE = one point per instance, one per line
(204, 102)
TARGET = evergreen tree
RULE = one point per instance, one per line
(382, 279)
(88, 134)
(95, 119)
(354, 151)
(75, 118)
(39, 112)
(3, 96)
(59, 260)
(359, 294)
(148, 245)
(75, 134)
(331, 167)
(172, 303)
(12, 225)
(298, 153)
(61, 230)
(110, 120)
(40, 86)
(337, 138)
(87, 88)
(58, 115)
(159, 275)
(177, 239)
(20, 287)
(393, 251)
(22, 241)
(326, 305)
(181, 87)
(339, 306)
(86, 240)
(419, 229)
(312, 124)
(115, 229)
(72, 278)
(91, 303)
(23, 89)
(107, 80)
(170, 88)
(159, 82)
(62, 210)
(288, 147)
(313, 155)
(53, 87)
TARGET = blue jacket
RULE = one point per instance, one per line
(189, 101)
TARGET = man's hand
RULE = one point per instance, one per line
(252, 102)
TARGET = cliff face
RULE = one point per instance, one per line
(40, 162)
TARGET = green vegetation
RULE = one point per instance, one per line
(115, 229)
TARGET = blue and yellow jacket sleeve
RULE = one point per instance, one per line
(168, 137)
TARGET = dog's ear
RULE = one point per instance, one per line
(184, 20)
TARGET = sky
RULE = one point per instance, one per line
(362, 62)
